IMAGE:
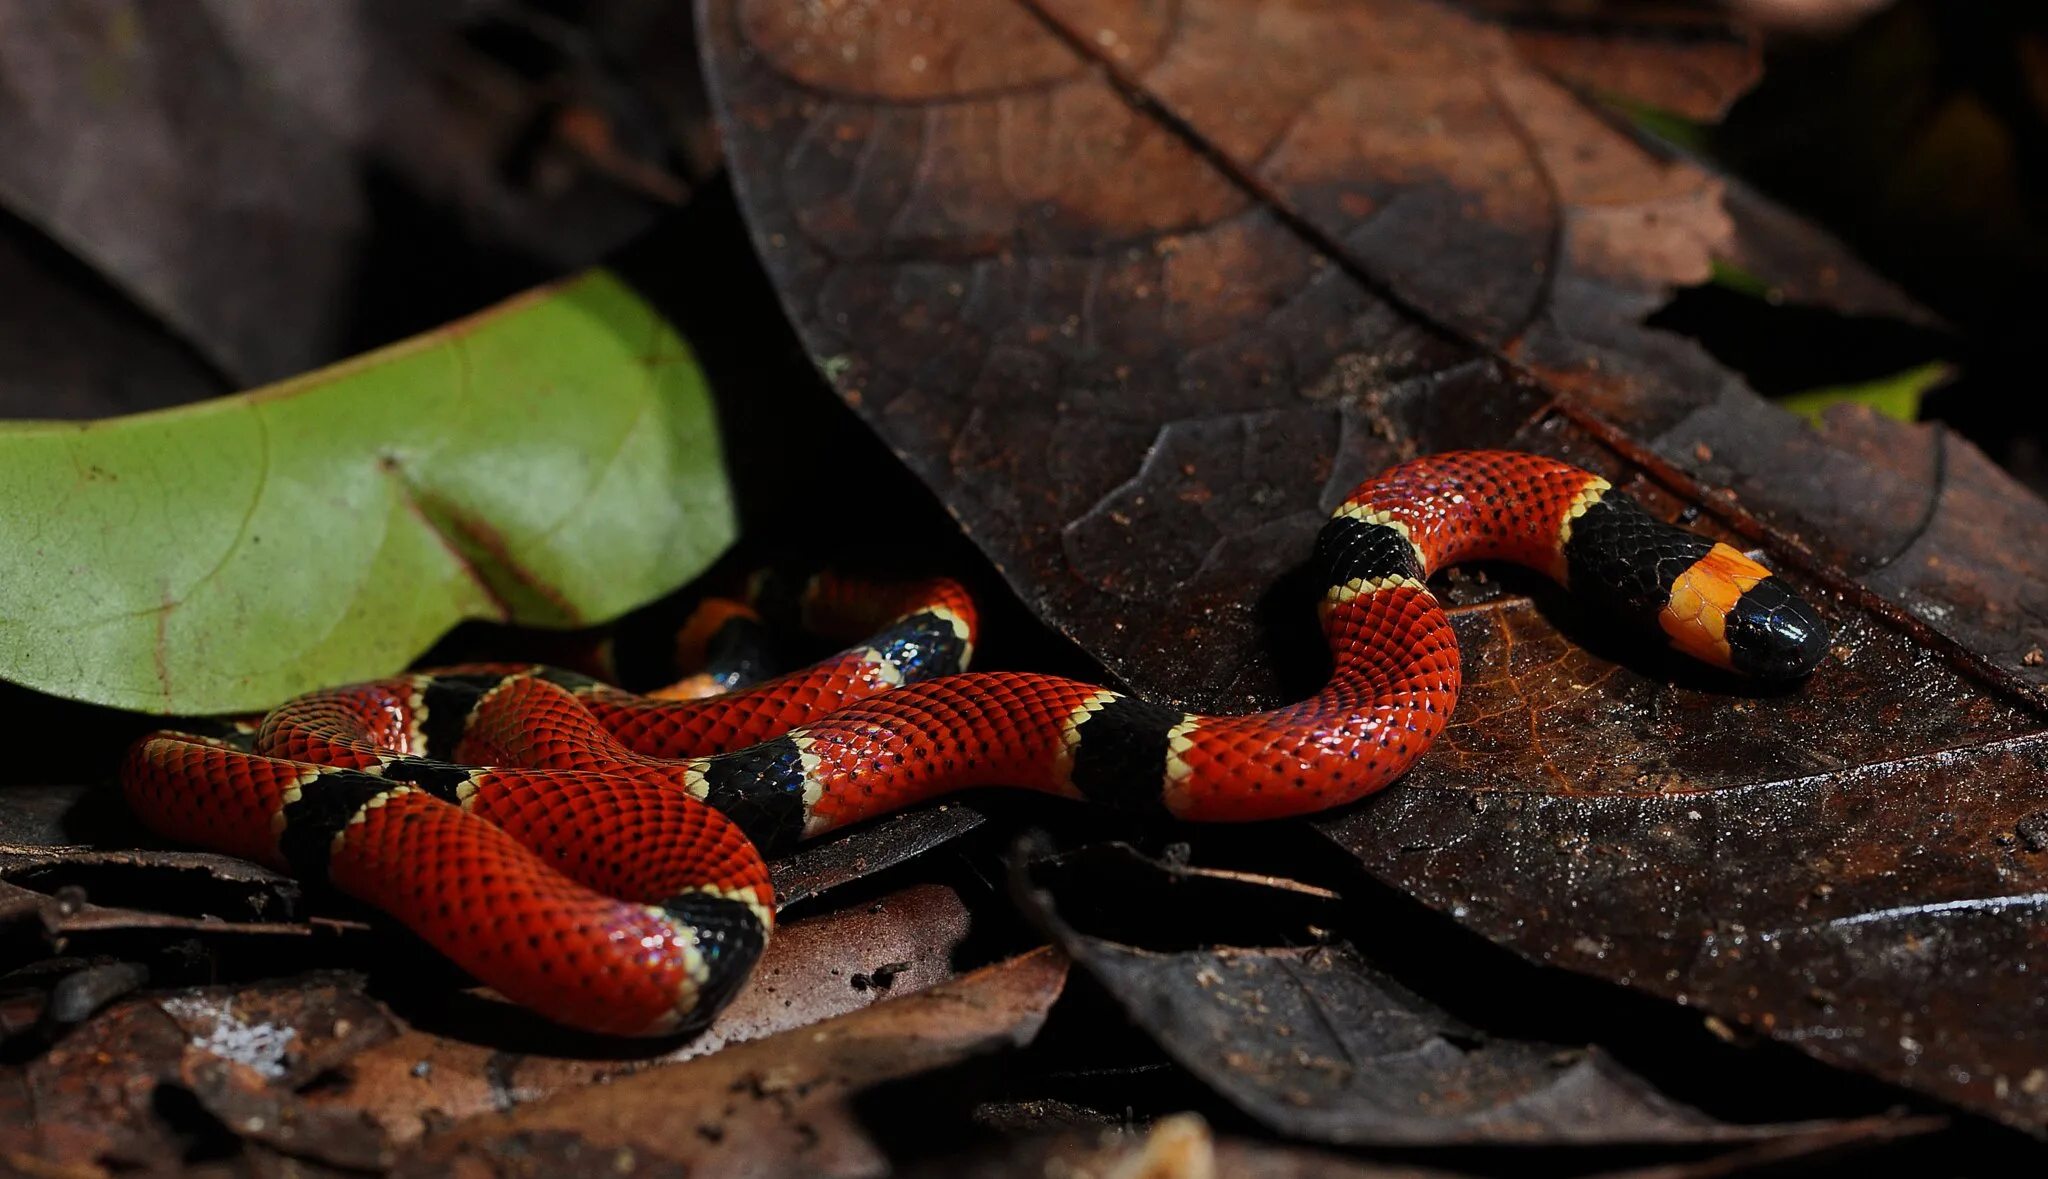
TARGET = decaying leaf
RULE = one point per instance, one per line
(1142, 289)
(770, 1107)
(1319, 1045)
(314, 1068)
(552, 461)
(50, 874)
(136, 1086)
(1142, 337)
(815, 968)
(869, 848)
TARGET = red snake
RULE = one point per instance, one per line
(597, 856)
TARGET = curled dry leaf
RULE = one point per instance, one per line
(315, 1069)
(159, 173)
(124, 1090)
(50, 874)
(1141, 289)
(426, 1079)
(869, 848)
(1319, 1045)
(775, 1106)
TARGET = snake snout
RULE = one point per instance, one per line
(1774, 634)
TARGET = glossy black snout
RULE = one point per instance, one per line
(1773, 634)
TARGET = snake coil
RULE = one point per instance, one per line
(597, 856)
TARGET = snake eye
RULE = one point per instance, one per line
(1773, 634)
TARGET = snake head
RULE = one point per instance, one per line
(1727, 610)
(1774, 634)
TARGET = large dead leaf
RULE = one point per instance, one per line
(1317, 1043)
(1142, 288)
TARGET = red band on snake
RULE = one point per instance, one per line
(597, 856)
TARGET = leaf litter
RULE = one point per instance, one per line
(1373, 409)
(1143, 291)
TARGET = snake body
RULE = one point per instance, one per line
(597, 856)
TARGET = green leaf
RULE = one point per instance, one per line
(551, 461)
(1734, 277)
(1896, 396)
(1669, 126)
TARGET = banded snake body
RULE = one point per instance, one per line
(598, 856)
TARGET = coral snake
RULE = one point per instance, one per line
(606, 869)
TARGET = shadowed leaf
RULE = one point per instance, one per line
(1319, 1044)
(1897, 396)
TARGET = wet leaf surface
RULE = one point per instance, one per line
(1143, 292)
(770, 1107)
